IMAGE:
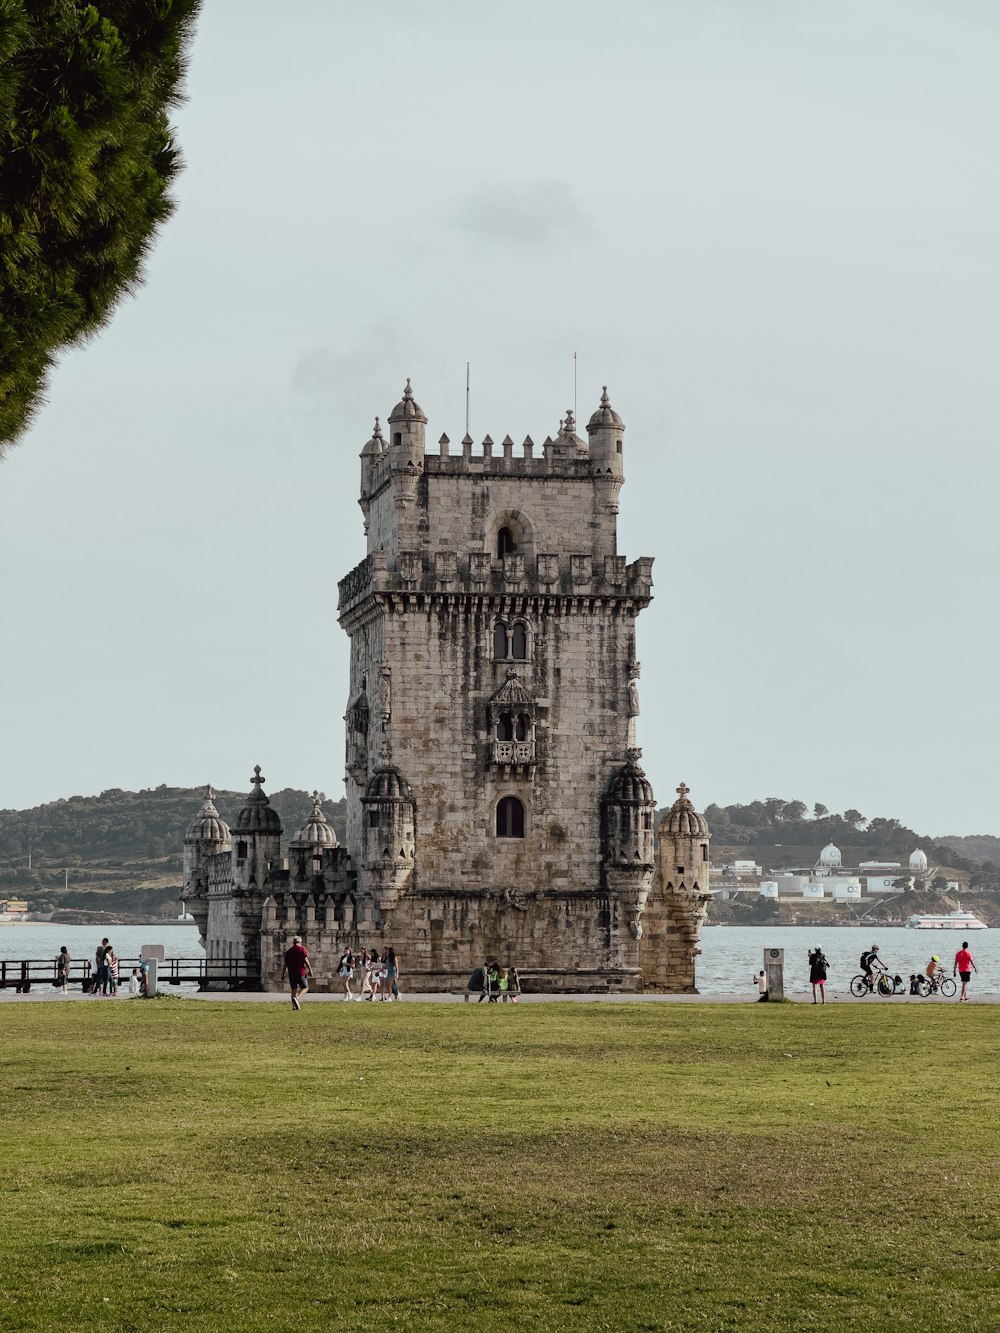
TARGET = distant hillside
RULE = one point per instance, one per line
(779, 833)
(122, 849)
(977, 847)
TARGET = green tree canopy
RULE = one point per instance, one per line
(86, 161)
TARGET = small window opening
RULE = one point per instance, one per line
(500, 639)
(505, 728)
(519, 643)
(506, 545)
(373, 819)
(397, 437)
(680, 870)
(647, 820)
(704, 851)
(619, 446)
(241, 851)
(521, 727)
(510, 818)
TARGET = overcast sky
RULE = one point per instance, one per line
(769, 226)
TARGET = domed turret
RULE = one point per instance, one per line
(387, 784)
(918, 860)
(207, 835)
(317, 832)
(376, 445)
(256, 816)
(407, 409)
(631, 786)
(389, 813)
(208, 825)
(830, 856)
(605, 415)
(407, 423)
(682, 819)
(628, 810)
(605, 430)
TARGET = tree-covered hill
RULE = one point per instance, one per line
(122, 850)
(781, 833)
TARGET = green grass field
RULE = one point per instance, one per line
(217, 1166)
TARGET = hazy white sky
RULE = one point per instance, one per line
(769, 226)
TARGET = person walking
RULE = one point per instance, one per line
(817, 974)
(965, 967)
(345, 970)
(298, 968)
(391, 983)
(62, 969)
(760, 981)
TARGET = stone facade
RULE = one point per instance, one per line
(495, 803)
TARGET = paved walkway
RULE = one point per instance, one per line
(49, 995)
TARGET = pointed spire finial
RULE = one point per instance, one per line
(377, 431)
(682, 791)
(209, 793)
(258, 777)
(605, 400)
(570, 422)
(408, 392)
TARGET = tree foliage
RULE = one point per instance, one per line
(86, 162)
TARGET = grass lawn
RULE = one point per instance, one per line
(186, 1165)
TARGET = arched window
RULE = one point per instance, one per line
(506, 545)
(510, 818)
(522, 727)
(510, 641)
(505, 728)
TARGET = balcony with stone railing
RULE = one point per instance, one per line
(514, 754)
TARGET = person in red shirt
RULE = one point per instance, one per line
(965, 967)
(298, 967)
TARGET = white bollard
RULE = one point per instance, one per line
(152, 964)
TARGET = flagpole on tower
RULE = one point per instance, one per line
(466, 397)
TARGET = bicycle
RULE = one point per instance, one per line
(946, 986)
(880, 981)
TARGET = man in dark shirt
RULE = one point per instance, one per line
(298, 968)
(100, 968)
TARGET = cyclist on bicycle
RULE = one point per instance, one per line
(933, 966)
(870, 964)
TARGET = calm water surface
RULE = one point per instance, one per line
(732, 954)
(37, 940)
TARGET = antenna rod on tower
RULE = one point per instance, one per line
(466, 397)
(574, 384)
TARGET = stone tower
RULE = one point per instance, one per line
(679, 898)
(495, 802)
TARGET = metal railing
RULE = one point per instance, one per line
(205, 973)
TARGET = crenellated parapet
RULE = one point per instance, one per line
(477, 573)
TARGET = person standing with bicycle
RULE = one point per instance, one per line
(965, 967)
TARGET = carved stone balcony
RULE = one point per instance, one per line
(514, 754)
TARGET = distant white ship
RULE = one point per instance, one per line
(957, 920)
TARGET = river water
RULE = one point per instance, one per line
(730, 954)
